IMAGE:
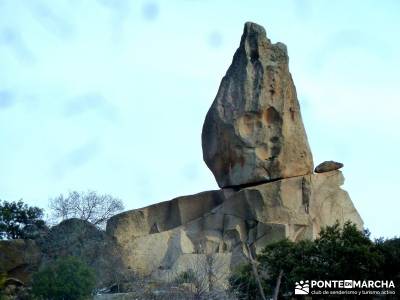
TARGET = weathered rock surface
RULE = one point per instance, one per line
(295, 208)
(74, 237)
(327, 166)
(253, 132)
(255, 144)
(162, 216)
(19, 259)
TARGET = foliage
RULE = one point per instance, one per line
(65, 279)
(346, 253)
(88, 206)
(390, 249)
(18, 220)
(339, 252)
(294, 259)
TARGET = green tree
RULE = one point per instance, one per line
(65, 279)
(292, 260)
(390, 249)
(347, 253)
(20, 221)
(339, 252)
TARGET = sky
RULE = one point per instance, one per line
(111, 96)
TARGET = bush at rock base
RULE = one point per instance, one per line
(67, 279)
(340, 252)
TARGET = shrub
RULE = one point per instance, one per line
(339, 252)
(65, 279)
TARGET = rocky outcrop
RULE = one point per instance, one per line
(253, 132)
(79, 238)
(327, 166)
(255, 144)
(294, 208)
(162, 216)
(19, 259)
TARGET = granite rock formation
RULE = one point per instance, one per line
(253, 132)
(294, 208)
(80, 238)
(255, 144)
(73, 237)
(19, 258)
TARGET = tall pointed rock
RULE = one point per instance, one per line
(253, 131)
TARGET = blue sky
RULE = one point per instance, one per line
(111, 95)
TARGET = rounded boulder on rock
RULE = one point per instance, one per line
(328, 166)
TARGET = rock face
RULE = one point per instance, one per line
(19, 258)
(253, 132)
(162, 216)
(294, 208)
(255, 144)
(327, 166)
(75, 237)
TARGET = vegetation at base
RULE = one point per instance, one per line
(20, 221)
(65, 279)
(338, 253)
(390, 249)
(243, 283)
